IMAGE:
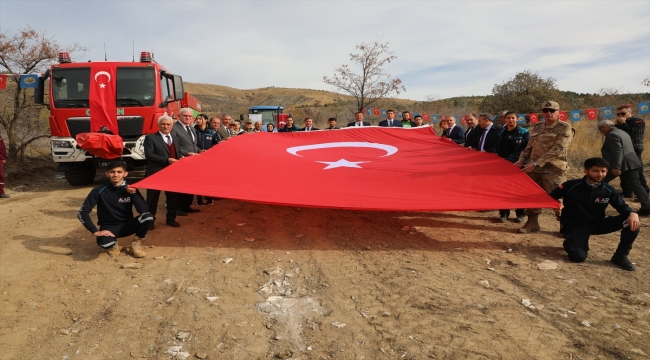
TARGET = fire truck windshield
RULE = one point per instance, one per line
(136, 86)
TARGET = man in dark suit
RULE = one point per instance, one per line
(390, 120)
(332, 124)
(623, 161)
(183, 131)
(358, 120)
(308, 125)
(160, 150)
(490, 136)
(453, 132)
(473, 132)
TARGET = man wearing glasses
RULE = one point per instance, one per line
(545, 157)
(623, 162)
(634, 127)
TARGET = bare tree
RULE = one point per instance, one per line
(25, 52)
(366, 80)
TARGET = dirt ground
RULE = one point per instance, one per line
(248, 281)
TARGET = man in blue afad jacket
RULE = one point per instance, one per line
(115, 202)
(583, 214)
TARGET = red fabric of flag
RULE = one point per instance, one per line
(591, 114)
(363, 168)
(426, 117)
(375, 111)
(102, 145)
(534, 118)
(103, 110)
(563, 115)
(3, 81)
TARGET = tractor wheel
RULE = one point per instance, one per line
(80, 174)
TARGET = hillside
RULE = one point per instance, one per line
(321, 104)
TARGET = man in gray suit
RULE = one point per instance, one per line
(224, 128)
(623, 161)
(183, 132)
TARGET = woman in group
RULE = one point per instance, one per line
(205, 139)
(236, 129)
(270, 127)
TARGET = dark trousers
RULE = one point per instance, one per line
(631, 177)
(576, 239)
(137, 225)
(184, 201)
(199, 200)
(152, 201)
(626, 188)
(506, 213)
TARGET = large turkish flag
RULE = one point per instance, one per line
(369, 168)
(103, 110)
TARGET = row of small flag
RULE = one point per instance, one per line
(26, 81)
(31, 81)
(573, 115)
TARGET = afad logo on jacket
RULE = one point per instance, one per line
(602, 200)
(124, 200)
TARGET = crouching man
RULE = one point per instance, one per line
(115, 202)
(583, 215)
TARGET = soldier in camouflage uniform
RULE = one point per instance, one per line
(545, 157)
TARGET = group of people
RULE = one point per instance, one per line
(540, 152)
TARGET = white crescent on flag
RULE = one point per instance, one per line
(103, 73)
(390, 150)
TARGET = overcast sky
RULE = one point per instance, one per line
(443, 48)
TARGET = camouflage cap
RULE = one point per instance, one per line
(551, 105)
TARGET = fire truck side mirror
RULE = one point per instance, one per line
(179, 91)
(39, 92)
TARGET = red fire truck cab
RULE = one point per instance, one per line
(144, 92)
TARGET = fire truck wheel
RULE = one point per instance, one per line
(80, 174)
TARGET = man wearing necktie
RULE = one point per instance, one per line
(390, 120)
(453, 132)
(473, 132)
(161, 150)
(183, 131)
(308, 125)
(358, 120)
(490, 136)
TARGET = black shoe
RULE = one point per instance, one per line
(172, 223)
(643, 212)
(503, 219)
(152, 227)
(181, 213)
(209, 203)
(623, 262)
(191, 210)
(199, 204)
(521, 218)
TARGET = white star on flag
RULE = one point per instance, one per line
(102, 85)
(342, 163)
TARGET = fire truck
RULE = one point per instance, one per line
(145, 90)
(267, 115)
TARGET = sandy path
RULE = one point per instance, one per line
(402, 294)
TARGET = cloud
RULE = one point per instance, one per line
(448, 48)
